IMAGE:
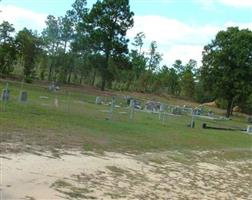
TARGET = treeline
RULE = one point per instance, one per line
(89, 46)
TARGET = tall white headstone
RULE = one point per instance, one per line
(132, 109)
(56, 102)
(249, 129)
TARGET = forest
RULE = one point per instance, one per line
(90, 46)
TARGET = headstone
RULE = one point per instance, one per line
(249, 129)
(132, 103)
(23, 96)
(5, 95)
(250, 119)
(152, 106)
(162, 107)
(112, 106)
(210, 113)
(128, 99)
(132, 109)
(56, 102)
(176, 111)
(204, 125)
(98, 100)
(137, 104)
(113, 102)
(193, 124)
(197, 111)
(161, 111)
(53, 87)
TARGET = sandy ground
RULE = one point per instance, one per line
(119, 176)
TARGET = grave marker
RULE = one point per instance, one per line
(250, 119)
(23, 97)
(249, 129)
(112, 106)
(5, 97)
(161, 111)
(98, 100)
(192, 125)
(56, 102)
(132, 109)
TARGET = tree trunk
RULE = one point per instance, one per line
(94, 76)
(69, 78)
(81, 79)
(103, 84)
(232, 105)
(229, 108)
(105, 71)
(50, 73)
(65, 45)
(129, 83)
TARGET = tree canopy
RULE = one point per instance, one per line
(89, 45)
(227, 65)
(107, 25)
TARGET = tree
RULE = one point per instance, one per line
(178, 66)
(28, 46)
(138, 41)
(6, 29)
(65, 30)
(79, 11)
(170, 80)
(187, 78)
(51, 37)
(107, 25)
(227, 65)
(155, 57)
(139, 62)
(7, 48)
(187, 84)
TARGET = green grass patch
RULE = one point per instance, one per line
(78, 122)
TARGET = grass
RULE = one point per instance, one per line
(79, 123)
(70, 191)
(116, 170)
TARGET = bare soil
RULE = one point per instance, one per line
(166, 175)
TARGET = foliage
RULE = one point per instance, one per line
(28, 46)
(107, 25)
(7, 48)
(155, 57)
(89, 46)
(187, 79)
(138, 41)
(227, 65)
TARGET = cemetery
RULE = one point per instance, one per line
(129, 100)
(32, 107)
(114, 135)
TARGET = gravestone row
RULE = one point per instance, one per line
(5, 97)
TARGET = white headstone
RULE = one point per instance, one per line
(98, 100)
(162, 107)
(132, 103)
(56, 102)
(249, 129)
(132, 109)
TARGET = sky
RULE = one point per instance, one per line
(181, 28)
